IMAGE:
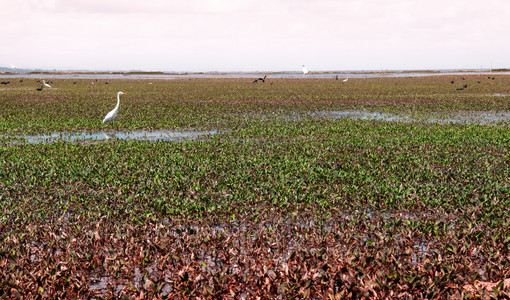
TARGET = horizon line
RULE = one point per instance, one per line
(430, 70)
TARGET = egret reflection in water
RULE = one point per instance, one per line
(108, 136)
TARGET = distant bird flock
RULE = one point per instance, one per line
(464, 86)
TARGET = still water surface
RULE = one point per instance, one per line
(140, 135)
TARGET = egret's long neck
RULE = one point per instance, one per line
(118, 101)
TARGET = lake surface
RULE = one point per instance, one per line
(317, 74)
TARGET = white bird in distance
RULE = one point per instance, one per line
(305, 70)
(112, 114)
(45, 84)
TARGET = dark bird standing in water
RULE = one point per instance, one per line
(39, 89)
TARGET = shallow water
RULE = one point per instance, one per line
(141, 135)
(479, 118)
(356, 114)
(465, 118)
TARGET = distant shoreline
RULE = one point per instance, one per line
(277, 74)
(10, 71)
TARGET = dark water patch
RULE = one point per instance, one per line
(99, 285)
(140, 135)
(421, 249)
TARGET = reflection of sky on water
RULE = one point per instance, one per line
(479, 118)
(158, 135)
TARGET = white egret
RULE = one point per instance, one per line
(45, 84)
(112, 114)
(345, 80)
(305, 70)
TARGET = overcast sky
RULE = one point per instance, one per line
(254, 35)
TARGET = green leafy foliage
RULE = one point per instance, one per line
(283, 202)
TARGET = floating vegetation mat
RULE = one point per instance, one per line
(309, 188)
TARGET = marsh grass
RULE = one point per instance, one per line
(275, 206)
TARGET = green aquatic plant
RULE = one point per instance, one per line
(283, 202)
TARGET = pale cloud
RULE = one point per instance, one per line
(254, 35)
